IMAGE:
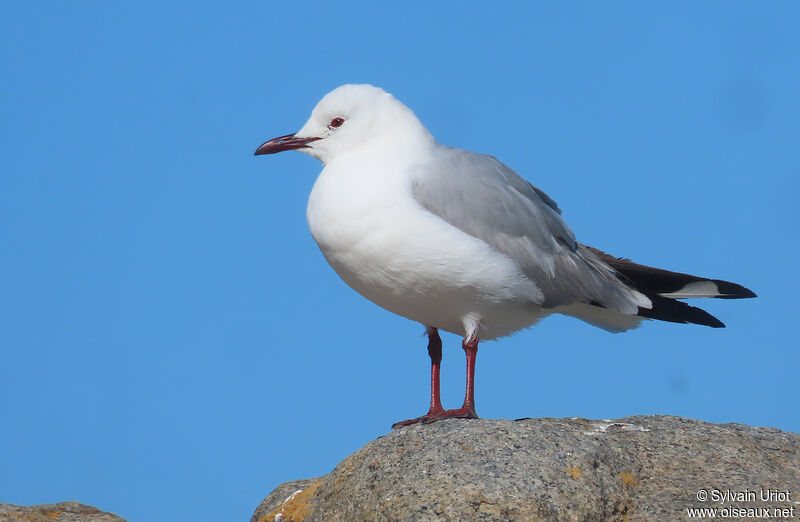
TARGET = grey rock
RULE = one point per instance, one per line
(636, 468)
(61, 512)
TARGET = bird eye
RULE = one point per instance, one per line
(336, 123)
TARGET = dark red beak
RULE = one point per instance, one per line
(281, 143)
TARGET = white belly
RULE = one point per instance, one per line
(410, 262)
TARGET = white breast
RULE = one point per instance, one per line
(409, 261)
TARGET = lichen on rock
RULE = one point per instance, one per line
(636, 468)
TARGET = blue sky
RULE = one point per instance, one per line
(172, 343)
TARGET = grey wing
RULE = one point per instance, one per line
(488, 200)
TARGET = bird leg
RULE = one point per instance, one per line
(467, 410)
(435, 352)
(470, 346)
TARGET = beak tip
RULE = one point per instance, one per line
(288, 142)
(265, 148)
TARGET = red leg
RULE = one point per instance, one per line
(435, 352)
(470, 345)
(467, 411)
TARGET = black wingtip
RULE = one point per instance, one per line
(714, 322)
(733, 291)
(666, 309)
(650, 280)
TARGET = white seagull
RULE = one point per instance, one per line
(460, 242)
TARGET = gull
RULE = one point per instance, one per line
(459, 242)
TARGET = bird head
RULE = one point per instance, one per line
(348, 119)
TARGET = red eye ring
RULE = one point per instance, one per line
(336, 123)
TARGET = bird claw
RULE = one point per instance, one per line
(460, 413)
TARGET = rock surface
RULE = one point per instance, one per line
(636, 468)
(61, 512)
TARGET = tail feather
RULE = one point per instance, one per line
(664, 287)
